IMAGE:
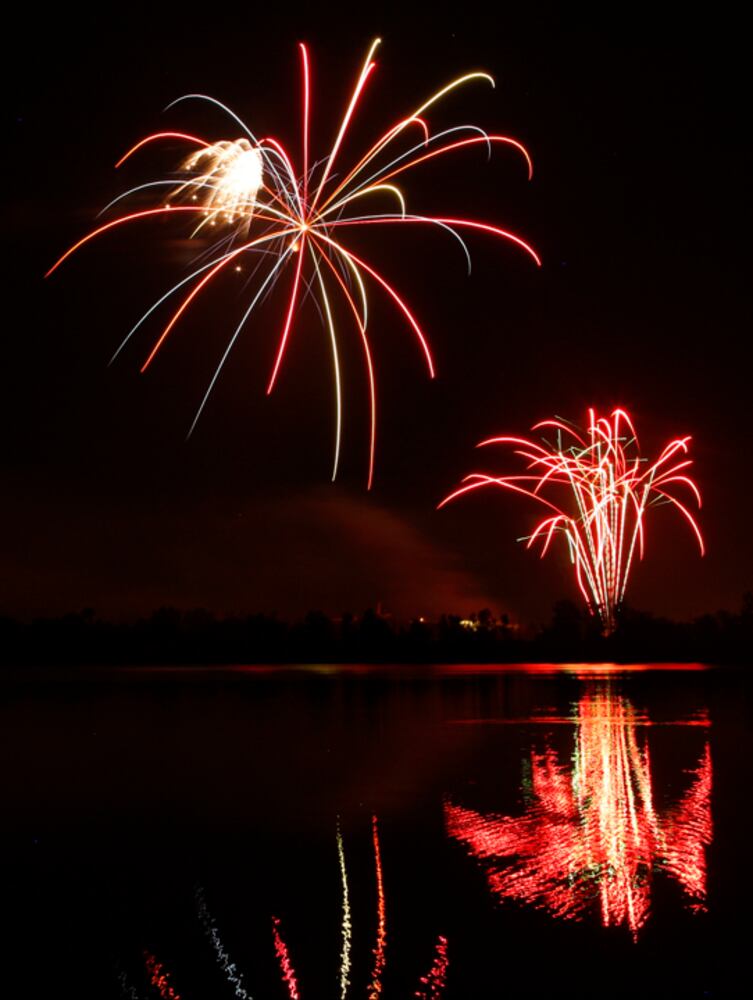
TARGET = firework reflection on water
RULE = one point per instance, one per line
(591, 837)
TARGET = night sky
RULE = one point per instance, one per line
(639, 208)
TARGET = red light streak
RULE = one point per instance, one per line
(375, 988)
(368, 67)
(600, 489)
(390, 134)
(245, 182)
(195, 291)
(289, 317)
(306, 74)
(349, 255)
(286, 967)
(460, 144)
(688, 831)
(274, 144)
(481, 226)
(591, 835)
(158, 978)
(159, 135)
(117, 222)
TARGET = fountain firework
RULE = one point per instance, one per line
(597, 488)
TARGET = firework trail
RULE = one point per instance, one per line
(591, 835)
(375, 988)
(296, 217)
(158, 978)
(346, 921)
(229, 968)
(433, 983)
(286, 966)
(598, 489)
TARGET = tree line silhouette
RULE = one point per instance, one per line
(173, 636)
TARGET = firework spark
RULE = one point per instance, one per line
(286, 966)
(433, 983)
(591, 835)
(159, 978)
(598, 489)
(300, 216)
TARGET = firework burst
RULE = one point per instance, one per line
(596, 488)
(591, 836)
(295, 218)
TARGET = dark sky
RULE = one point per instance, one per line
(639, 207)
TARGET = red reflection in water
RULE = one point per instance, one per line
(286, 967)
(375, 988)
(433, 983)
(591, 832)
(158, 978)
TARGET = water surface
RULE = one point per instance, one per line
(455, 831)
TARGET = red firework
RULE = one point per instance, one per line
(597, 488)
(286, 966)
(159, 978)
(299, 214)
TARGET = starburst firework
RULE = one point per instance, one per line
(298, 218)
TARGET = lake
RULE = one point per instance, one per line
(392, 831)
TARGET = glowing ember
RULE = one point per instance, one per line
(597, 489)
(591, 834)
(301, 215)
